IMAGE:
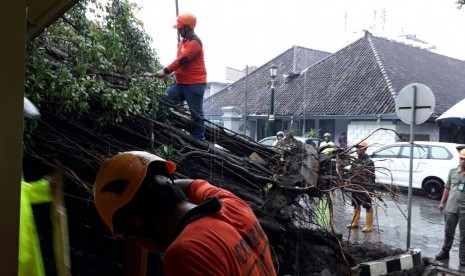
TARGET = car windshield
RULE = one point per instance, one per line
(267, 141)
(389, 152)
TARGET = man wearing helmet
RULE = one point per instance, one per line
(279, 138)
(364, 172)
(327, 146)
(454, 195)
(190, 74)
(201, 229)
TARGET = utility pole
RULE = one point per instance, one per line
(177, 13)
(246, 100)
(270, 126)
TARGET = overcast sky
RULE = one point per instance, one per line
(236, 33)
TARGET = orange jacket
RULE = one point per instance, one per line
(189, 65)
(229, 242)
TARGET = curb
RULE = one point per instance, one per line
(405, 261)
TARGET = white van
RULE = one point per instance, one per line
(432, 162)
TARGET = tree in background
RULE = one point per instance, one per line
(313, 133)
(85, 72)
(460, 3)
(93, 57)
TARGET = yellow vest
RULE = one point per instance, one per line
(30, 257)
(330, 147)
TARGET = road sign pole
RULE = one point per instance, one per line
(413, 110)
(410, 175)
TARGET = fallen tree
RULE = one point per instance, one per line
(285, 185)
(86, 77)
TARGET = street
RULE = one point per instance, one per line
(390, 225)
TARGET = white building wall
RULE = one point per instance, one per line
(213, 87)
(359, 130)
(427, 129)
(232, 118)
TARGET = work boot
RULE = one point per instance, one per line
(369, 221)
(355, 219)
(442, 255)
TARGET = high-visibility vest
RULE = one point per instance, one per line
(330, 147)
(30, 256)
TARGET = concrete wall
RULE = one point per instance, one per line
(359, 130)
(232, 118)
(12, 64)
(431, 130)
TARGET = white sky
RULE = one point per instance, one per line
(236, 33)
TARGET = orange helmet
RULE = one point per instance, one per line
(462, 154)
(118, 180)
(363, 144)
(185, 19)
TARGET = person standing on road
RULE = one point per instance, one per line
(343, 140)
(365, 171)
(190, 74)
(279, 138)
(200, 228)
(453, 201)
(327, 146)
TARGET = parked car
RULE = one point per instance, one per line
(268, 141)
(432, 162)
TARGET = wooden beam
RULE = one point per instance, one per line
(42, 13)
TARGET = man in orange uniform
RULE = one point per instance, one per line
(202, 229)
(190, 72)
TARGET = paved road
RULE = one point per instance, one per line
(390, 225)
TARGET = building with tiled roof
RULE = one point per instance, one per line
(352, 90)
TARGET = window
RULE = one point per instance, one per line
(419, 152)
(327, 125)
(290, 125)
(268, 141)
(308, 125)
(440, 153)
(390, 152)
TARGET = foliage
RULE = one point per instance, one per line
(166, 152)
(460, 3)
(93, 57)
(313, 133)
(295, 132)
